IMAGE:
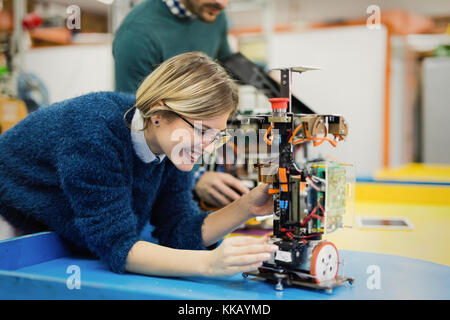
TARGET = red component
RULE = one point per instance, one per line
(279, 103)
(316, 216)
(308, 217)
(32, 20)
(311, 236)
(320, 206)
(286, 230)
(290, 235)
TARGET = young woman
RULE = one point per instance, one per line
(79, 169)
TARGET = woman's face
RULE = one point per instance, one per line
(182, 139)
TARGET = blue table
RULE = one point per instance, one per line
(39, 266)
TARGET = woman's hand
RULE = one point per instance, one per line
(218, 224)
(238, 254)
(258, 202)
(219, 189)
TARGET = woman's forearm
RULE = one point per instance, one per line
(152, 259)
(230, 257)
(221, 222)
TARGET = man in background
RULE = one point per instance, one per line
(157, 30)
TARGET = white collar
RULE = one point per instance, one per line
(139, 143)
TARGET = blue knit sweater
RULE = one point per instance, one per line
(71, 168)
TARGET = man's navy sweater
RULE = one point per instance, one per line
(71, 168)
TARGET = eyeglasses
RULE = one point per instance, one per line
(209, 136)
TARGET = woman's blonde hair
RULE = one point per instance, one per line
(191, 85)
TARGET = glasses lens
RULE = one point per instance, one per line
(222, 139)
(218, 141)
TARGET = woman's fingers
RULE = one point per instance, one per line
(260, 190)
(243, 251)
(244, 241)
(240, 254)
(260, 202)
(244, 260)
(255, 248)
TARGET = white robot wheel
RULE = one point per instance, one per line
(324, 262)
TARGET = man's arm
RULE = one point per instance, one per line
(219, 189)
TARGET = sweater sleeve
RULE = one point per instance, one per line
(91, 169)
(177, 219)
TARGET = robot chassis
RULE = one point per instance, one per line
(309, 201)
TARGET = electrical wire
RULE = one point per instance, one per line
(311, 235)
(296, 167)
(313, 215)
(320, 206)
(316, 140)
(295, 132)
(305, 221)
(317, 179)
(312, 184)
(266, 139)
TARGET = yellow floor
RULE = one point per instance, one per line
(426, 206)
(429, 240)
(416, 172)
(411, 194)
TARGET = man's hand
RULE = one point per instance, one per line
(219, 189)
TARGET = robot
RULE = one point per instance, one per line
(310, 198)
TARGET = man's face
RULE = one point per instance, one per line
(206, 10)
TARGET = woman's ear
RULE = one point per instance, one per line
(155, 120)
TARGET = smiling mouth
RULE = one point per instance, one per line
(192, 155)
